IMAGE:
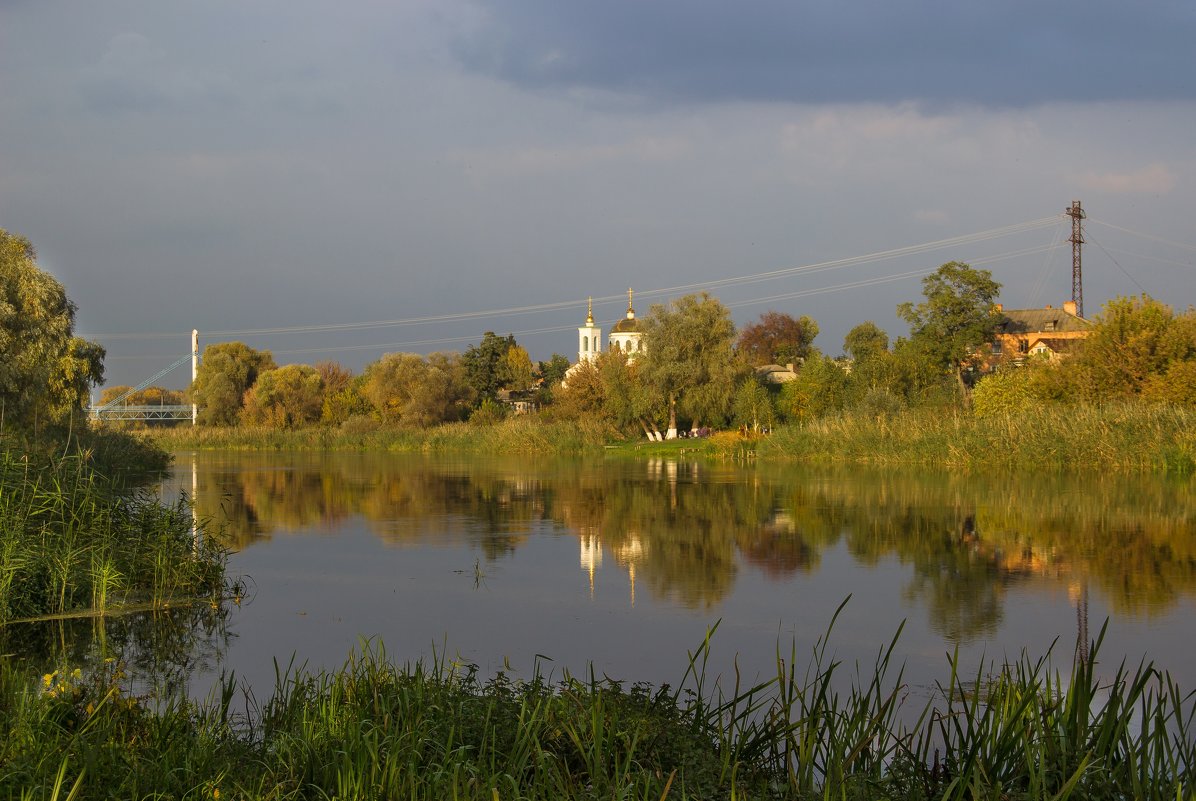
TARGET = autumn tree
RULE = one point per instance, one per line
(754, 408)
(226, 372)
(956, 317)
(777, 339)
(408, 389)
(515, 370)
(1138, 347)
(688, 359)
(285, 397)
(865, 342)
(46, 372)
(821, 388)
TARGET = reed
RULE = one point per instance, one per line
(72, 541)
(435, 730)
(1119, 437)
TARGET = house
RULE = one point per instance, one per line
(1049, 332)
(776, 374)
(519, 401)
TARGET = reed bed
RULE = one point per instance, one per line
(1121, 437)
(371, 730)
(73, 542)
(519, 435)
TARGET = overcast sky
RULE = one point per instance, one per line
(238, 166)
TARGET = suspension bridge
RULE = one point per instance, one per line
(119, 407)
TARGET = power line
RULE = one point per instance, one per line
(980, 236)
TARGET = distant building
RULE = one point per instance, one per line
(776, 374)
(1048, 332)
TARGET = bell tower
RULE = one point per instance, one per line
(589, 337)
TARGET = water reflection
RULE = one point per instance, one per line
(685, 533)
(161, 652)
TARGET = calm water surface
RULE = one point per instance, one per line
(627, 564)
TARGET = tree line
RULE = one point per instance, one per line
(696, 369)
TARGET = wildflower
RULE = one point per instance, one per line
(76, 674)
(215, 792)
(48, 679)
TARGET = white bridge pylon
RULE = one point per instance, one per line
(118, 409)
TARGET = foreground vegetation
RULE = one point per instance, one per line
(437, 731)
(75, 542)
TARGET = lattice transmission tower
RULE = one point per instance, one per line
(1077, 239)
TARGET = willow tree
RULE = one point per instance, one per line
(46, 372)
(227, 371)
(689, 359)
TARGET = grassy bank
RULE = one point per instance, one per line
(74, 542)
(1124, 437)
(517, 435)
(374, 730)
(1134, 437)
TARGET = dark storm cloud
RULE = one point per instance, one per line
(993, 53)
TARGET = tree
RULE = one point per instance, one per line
(956, 317)
(688, 358)
(515, 369)
(1134, 344)
(552, 372)
(407, 389)
(46, 372)
(777, 339)
(753, 405)
(226, 372)
(865, 342)
(821, 388)
(484, 370)
(285, 397)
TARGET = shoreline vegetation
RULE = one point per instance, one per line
(1124, 437)
(437, 730)
(74, 541)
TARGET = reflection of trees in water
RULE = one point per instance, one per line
(161, 651)
(685, 529)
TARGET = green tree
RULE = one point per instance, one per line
(866, 342)
(46, 372)
(484, 368)
(689, 359)
(956, 318)
(285, 397)
(821, 388)
(777, 339)
(226, 372)
(552, 372)
(753, 405)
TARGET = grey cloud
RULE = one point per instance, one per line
(1001, 54)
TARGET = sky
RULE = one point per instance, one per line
(403, 176)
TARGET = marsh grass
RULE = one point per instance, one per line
(435, 731)
(72, 541)
(517, 435)
(1121, 437)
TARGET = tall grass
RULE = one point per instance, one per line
(72, 541)
(436, 731)
(519, 435)
(1123, 437)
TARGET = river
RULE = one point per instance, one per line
(626, 564)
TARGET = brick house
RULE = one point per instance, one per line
(1050, 332)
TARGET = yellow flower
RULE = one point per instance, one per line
(91, 709)
(76, 674)
(216, 792)
(47, 679)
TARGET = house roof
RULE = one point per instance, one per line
(1031, 321)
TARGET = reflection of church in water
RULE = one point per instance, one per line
(626, 555)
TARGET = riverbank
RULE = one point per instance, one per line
(1121, 437)
(376, 730)
(76, 542)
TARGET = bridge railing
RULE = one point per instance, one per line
(165, 412)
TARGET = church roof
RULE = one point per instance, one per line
(628, 325)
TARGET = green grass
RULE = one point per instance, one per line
(438, 731)
(1126, 437)
(73, 542)
(1122, 437)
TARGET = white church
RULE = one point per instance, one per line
(625, 335)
